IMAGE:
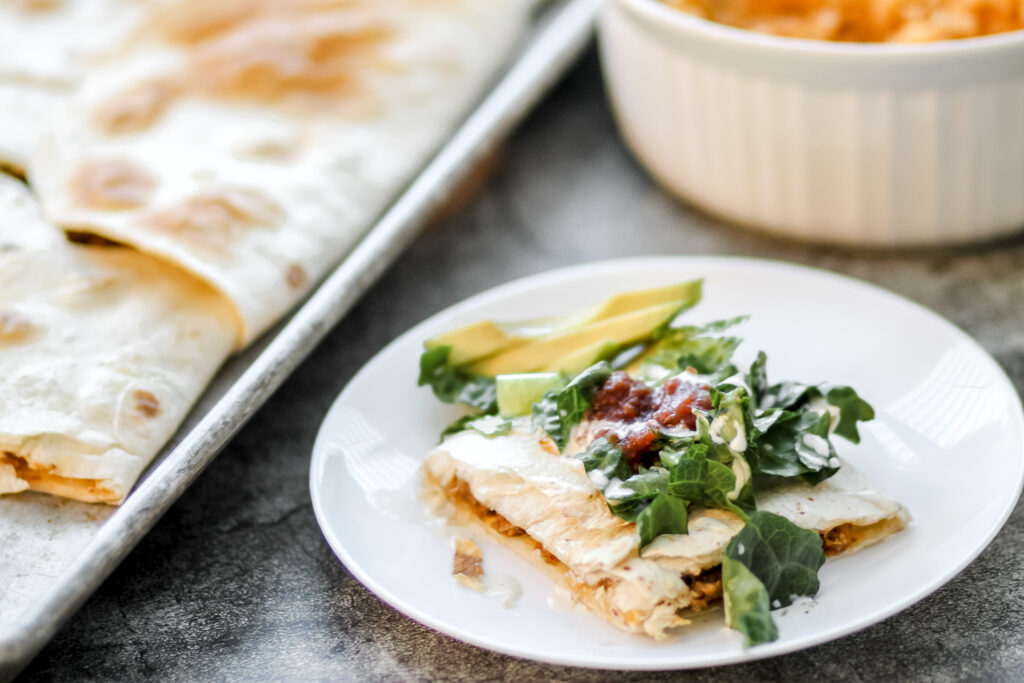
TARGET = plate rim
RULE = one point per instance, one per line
(778, 648)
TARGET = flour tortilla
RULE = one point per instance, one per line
(102, 352)
(252, 142)
(47, 45)
(594, 553)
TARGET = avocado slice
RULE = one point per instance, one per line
(540, 353)
(475, 340)
(485, 337)
(575, 362)
(517, 393)
(687, 294)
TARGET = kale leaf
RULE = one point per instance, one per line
(783, 556)
(767, 565)
(688, 347)
(666, 514)
(791, 424)
(558, 411)
(797, 445)
(700, 480)
(852, 408)
(643, 497)
(453, 384)
(488, 425)
(605, 458)
(747, 608)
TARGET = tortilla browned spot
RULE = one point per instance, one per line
(212, 220)
(112, 185)
(296, 276)
(35, 5)
(193, 21)
(14, 327)
(137, 108)
(146, 404)
(310, 58)
(305, 54)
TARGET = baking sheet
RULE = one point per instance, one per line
(54, 553)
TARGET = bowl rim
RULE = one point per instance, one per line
(683, 23)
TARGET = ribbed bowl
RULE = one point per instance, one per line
(876, 145)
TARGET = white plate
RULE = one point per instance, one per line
(948, 442)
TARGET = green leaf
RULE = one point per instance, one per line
(786, 395)
(797, 445)
(706, 355)
(640, 486)
(627, 499)
(699, 479)
(488, 425)
(678, 348)
(783, 556)
(852, 408)
(703, 481)
(559, 411)
(626, 494)
(746, 604)
(757, 378)
(455, 385)
(605, 457)
(666, 514)
(458, 426)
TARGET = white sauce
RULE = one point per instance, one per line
(739, 442)
(815, 452)
(504, 587)
(725, 424)
(598, 478)
(740, 468)
(615, 489)
(716, 427)
(816, 443)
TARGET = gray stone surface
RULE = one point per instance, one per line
(236, 582)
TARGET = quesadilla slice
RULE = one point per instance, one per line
(252, 142)
(103, 350)
(626, 455)
(545, 507)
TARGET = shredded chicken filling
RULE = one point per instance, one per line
(458, 491)
(705, 588)
(39, 478)
(838, 539)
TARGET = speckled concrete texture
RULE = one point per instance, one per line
(237, 583)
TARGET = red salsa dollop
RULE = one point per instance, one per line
(640, 410)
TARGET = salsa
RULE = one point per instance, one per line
(637, 412)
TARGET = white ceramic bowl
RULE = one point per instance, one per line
(862, 144)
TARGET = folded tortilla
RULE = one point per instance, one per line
(252, 142)
(102, 352)
(46, 47)
(543, 505)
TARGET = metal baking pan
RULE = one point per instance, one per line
(56, 553)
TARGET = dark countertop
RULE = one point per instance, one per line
(236, 582)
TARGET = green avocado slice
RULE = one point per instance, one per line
(540, 353)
